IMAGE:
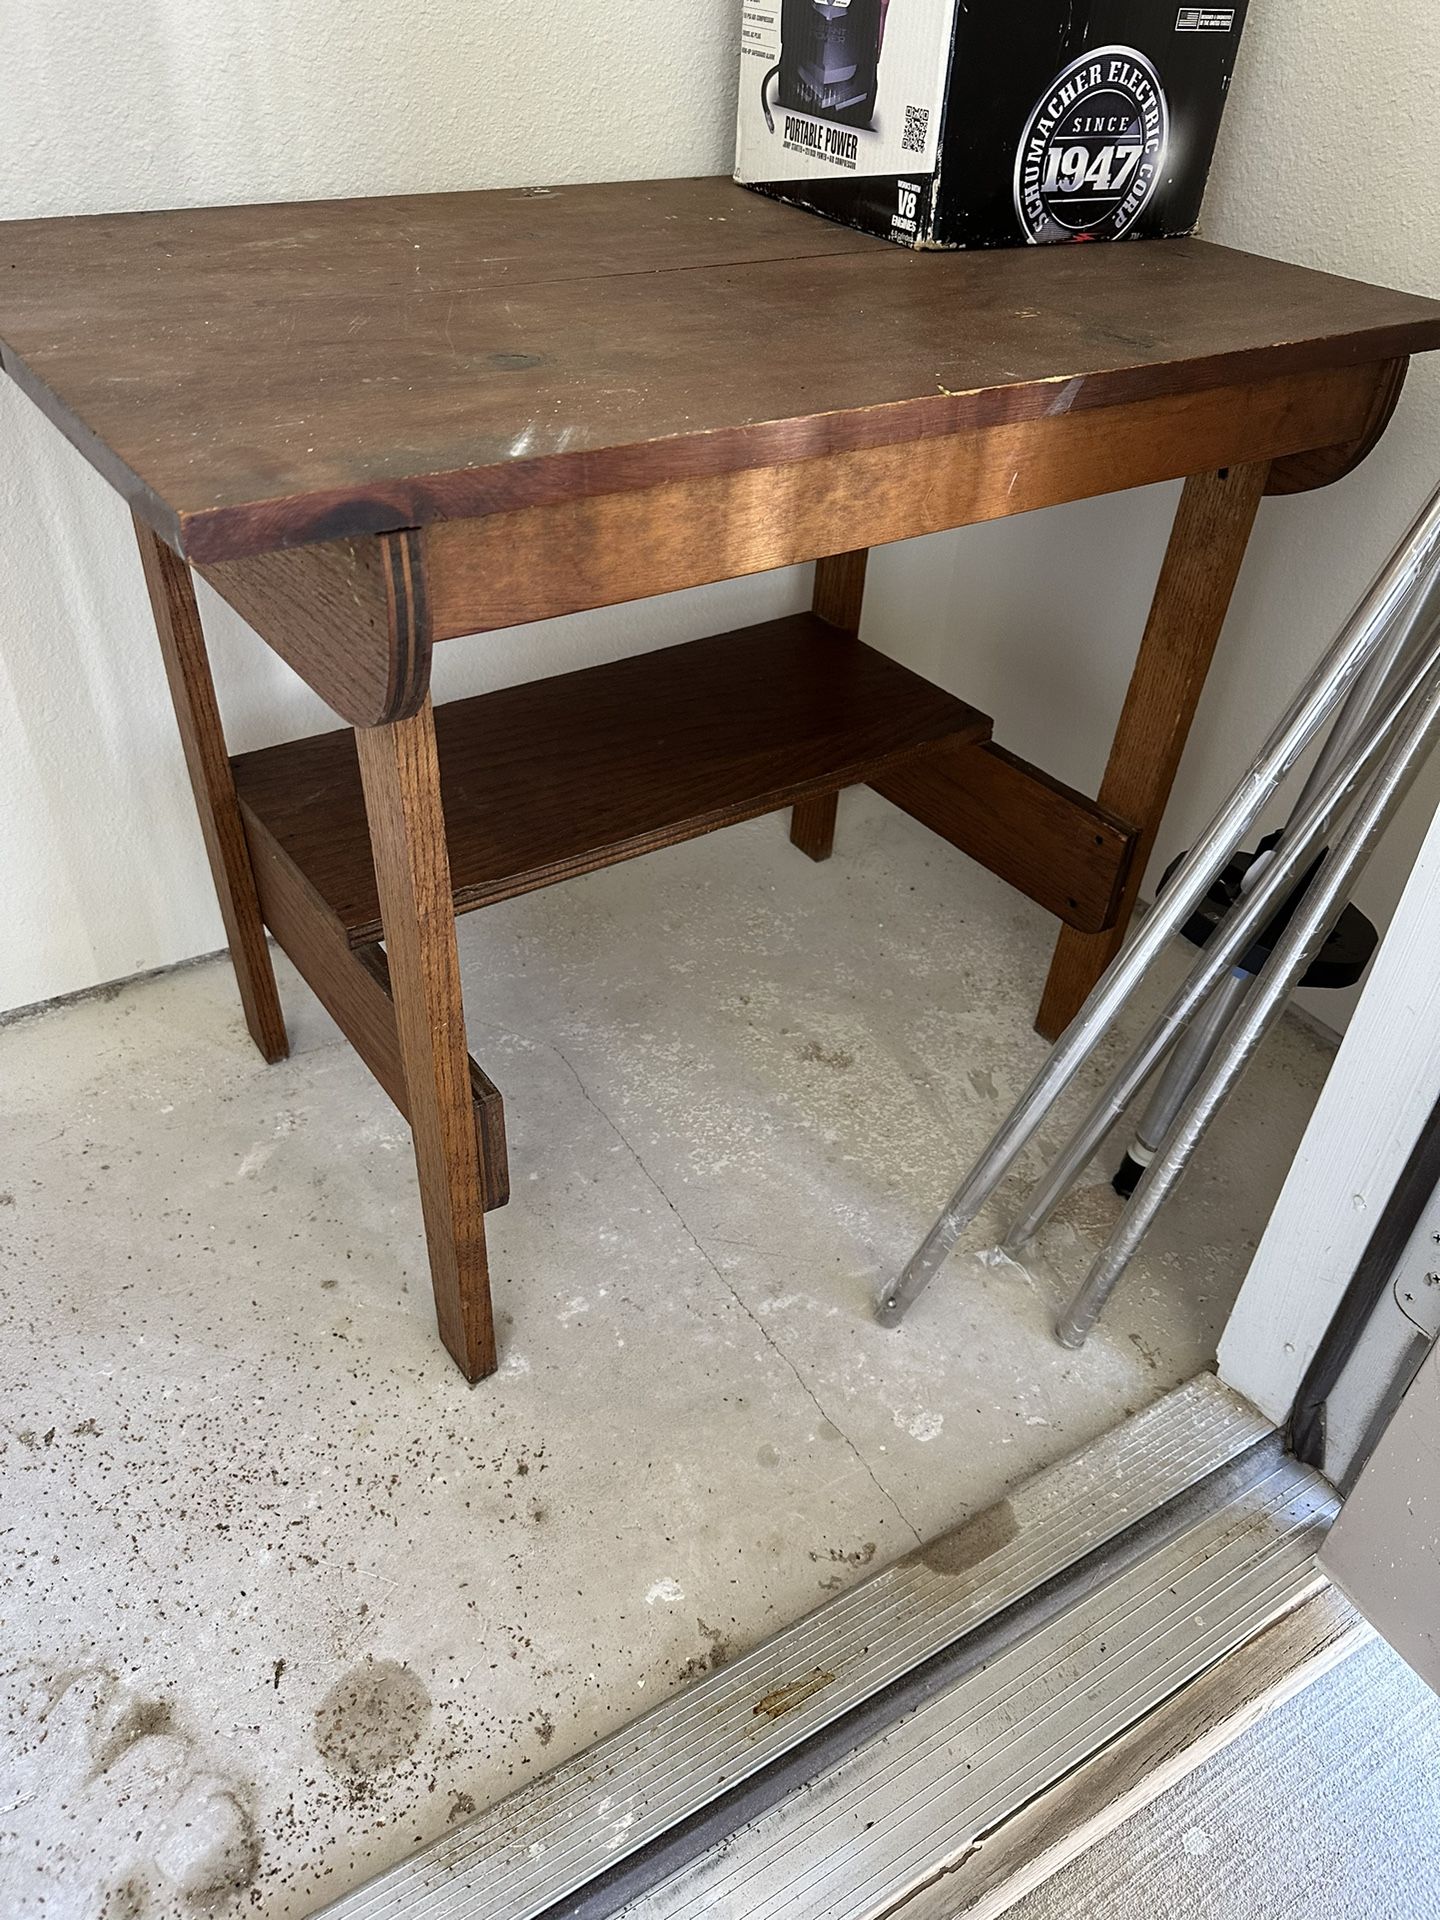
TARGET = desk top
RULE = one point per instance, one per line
(258, 377)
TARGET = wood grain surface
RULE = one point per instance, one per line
(349, 616)
(412, 874)
(1063, 850)
(256, 377)
(537, 562)
(1192, 597)
(1323, 466)
(559, 776)
(837, 598)
(353, 986)
(187, 669)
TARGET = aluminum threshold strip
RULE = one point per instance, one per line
(561, 1832)
(888, 1823)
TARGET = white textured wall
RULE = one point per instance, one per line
(155, 104)
(1328, 158)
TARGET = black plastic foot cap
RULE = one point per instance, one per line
(1127, 1176)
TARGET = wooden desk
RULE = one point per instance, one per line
(374, 425)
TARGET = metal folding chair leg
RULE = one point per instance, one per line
(1362, 636)
(1191, 1053)
(1308, 832)
(1293, 953)
(1403, 664)
(1189, 1058)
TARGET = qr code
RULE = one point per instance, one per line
(917, 126)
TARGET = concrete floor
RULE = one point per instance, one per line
(282, 1598)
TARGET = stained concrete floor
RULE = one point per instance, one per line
(280, 1597)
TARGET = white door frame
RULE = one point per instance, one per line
(1382, 1087)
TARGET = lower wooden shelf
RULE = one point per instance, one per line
(560, 776)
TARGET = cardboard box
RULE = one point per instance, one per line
(986, 123)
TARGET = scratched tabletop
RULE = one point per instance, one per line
(256, 377)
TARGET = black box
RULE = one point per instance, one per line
(986, 123)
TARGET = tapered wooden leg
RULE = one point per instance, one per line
(839, 594)
(1202, 563)
(187, 668)
(401, 778)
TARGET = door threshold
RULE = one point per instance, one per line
(1181, 1734)
(853, 1764)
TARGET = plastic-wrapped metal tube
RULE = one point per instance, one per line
(1380, 676)
(1309, 828)
(1188, 1058)
(1364, 632)
(1191, 1052)
(1277, 980)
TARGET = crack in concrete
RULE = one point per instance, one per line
(738, 1298)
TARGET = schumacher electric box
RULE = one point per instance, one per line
(986, 123)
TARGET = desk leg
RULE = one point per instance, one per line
(187, 668)
(1211, 531)
(401, 776)
(839, 593)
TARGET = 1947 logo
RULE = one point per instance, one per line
(1093, 149)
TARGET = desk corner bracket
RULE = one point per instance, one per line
(1305, 472)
